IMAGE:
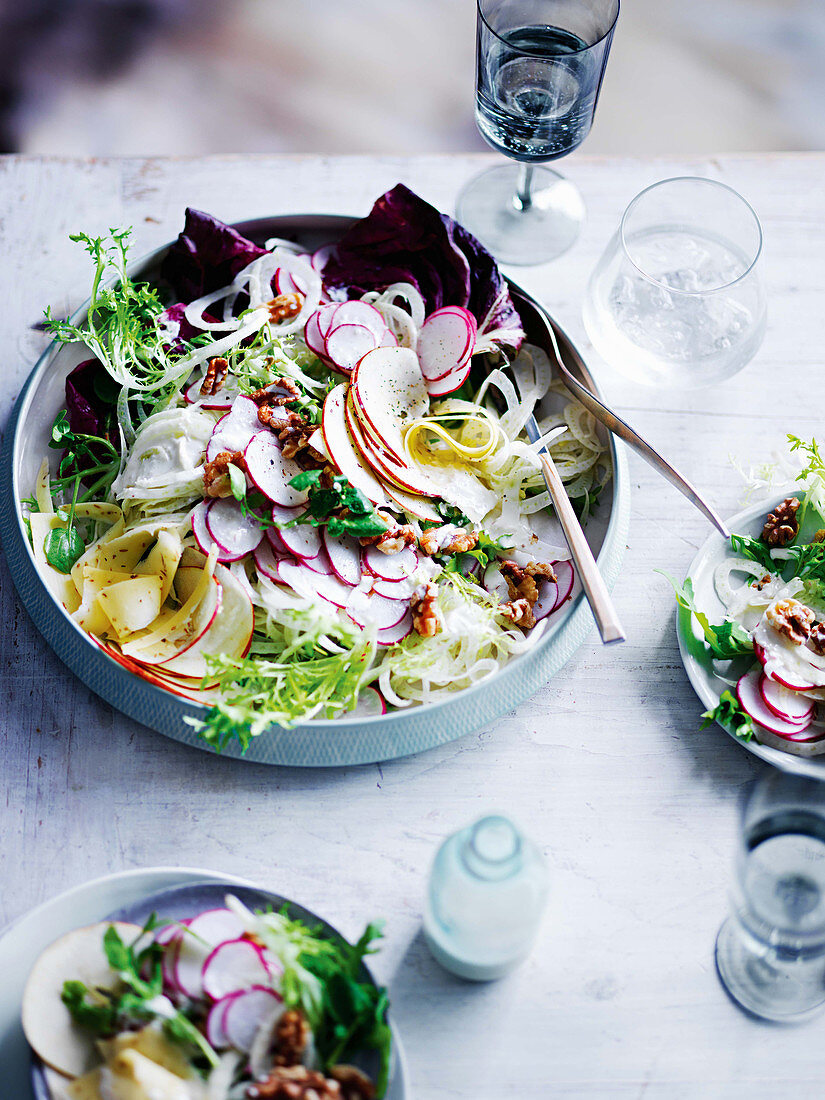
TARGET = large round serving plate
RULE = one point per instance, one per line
(194, 893)
(696, 657)
(315, 743)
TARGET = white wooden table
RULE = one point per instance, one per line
(635, 808)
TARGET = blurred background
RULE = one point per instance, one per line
(98, 77)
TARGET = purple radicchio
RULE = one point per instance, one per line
(207, 255)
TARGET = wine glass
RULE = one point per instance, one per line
(770, 952)
(678, 296)
(539, 69)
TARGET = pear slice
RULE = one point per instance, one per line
(47, 1024)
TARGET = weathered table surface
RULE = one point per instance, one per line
(605, 767)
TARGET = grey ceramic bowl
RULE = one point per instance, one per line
(187, 901)
(315, 743)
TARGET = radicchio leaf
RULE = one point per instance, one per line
(87, 401)
(207, 255)
(404, 238)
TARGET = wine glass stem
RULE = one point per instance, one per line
(523, 198)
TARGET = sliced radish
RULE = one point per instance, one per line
(313, 338)
(223, 399)
(283, 514)
(356, 312)
(234, 965)
(548, 599)
(370, 703)
(364, 609)
(452, 381)
(565, 576)
(446, 342)
(214, 926)
(245, 1013)
(775, 671)
(750, 698)
(303, 541)
(267, 562)
(346, 344)
(319, 564)
(203, 536)
(391, 567)
(309, 585)
(234, 431)
(169, 932)
(235, 533)
(393, 590)
(215, 1022)
(326, 317)
(319, 258)
(271, 472)
(344, 555)
(189, 958)
(273, 534)
(389, 635)
(388, 339)
(784, 703)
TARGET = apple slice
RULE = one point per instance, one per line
(391, 393)
(229, 635)
(407, 479)
(343, 450)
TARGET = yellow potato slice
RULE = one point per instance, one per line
(60, 585)
(132, 604)
(133, 1076)
(48, 1026)
(152, 1044)
(162, 560)
(86, 1087)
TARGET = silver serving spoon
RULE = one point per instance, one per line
(620, 428)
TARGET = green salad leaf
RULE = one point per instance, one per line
(754, 550)
(339, 506)
(807, 561)
(812, 475)
(727, 640)
(730, 715)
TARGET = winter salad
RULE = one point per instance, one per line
(228, 1005)
(293, 486)
(770, 648)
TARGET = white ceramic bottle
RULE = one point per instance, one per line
(487, 891)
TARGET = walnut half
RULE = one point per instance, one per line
(792, 619)
(781, 526)
(424, 613)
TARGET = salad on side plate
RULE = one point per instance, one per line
(231, 1004)
(293, 486)
(770, 648)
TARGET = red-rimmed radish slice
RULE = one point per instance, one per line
(223, 399)
(784, 703)
(493, 580)
(169, 932)
(215, 926)
(203, 536)
(364, 609)
(342, 448)
(451, 382)
(309, 585)
(271, 471)
(446, 342)
(320, 564)
(548, 599)
(320, 256)
(267, 562)
(313, 338)
(775, 671)
(750, 699)
(344, 555)
(287, 283)
(370, 704)
(245, 1014)
(235, 534)
(303, 541)
(356, 312)
(565, 576)
(393, 590)
(215, 1029)
(273, 534)
(283, 514)
(346, 344)
(388, 339)
(234, 431)
(391, 567)
(187, 969)
(389, 635)
(326, 317)
(234, 965)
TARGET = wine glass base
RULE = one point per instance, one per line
(489, 208)
(771, 993)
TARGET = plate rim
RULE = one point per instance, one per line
(124, 689)
(783, 761)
